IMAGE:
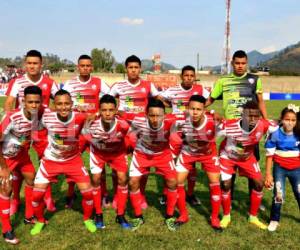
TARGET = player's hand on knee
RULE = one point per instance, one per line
(269, 181)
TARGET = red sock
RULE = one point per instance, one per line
(192, 176)
(71, 189)
(17, 185)
(143, 183)
(135, 199)
(171, 202)
(122, 195)
(87, 203)
(215, 199)
(181, 203)
(226, 202)
(38, 203)
(255, 201)
(28, 201)
(48, 192)
(97, 200)
(104, 191)
(4, 213)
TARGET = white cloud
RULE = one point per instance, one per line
(268, 49)
(131, 21)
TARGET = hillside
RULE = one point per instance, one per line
(147, 65)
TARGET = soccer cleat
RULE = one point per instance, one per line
(225, 221)
(106, 201)
(273, 225)
(137, 223)
(123, 222)
(90, 226)
(50, 205)
(99, 221)
(171, 225)
(30, 220)
(10, 238)
(144, 204)
(255, 221)
(215, 224)
(162, 200)
(193, 200)
(70, 201)
(37, 228)
(14, 207)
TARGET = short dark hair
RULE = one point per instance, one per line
(133, 58)
(239, 54)
(197, 98)
(62, 92)
(188, 67)
(32, 90)
(84, 57)
(108, 99)
(250, 105)
(34, 53)
(154, 103)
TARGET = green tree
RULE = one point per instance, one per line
(120, 68)
(103, 60)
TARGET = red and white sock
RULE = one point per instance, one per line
(28, 201)
(171, 201)
(122, 194)
(38, 203)
(226, 202)
(87, 203)
(4, 213)
(97, 199)
(215, 199)
(255, 201)
(181, 204)
(135, 199)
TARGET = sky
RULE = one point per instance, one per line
(178, 30)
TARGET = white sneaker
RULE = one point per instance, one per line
(273, 225)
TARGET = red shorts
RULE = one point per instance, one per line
(249, 168)
(40, 142)
(117, 162)
(20, 163)
(73, 169)
(163, 163)
(209, 163)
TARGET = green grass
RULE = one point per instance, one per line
(66, 230)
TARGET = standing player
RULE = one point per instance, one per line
(179, 96)
(108, 147)
(133, 95)
(237, 151)
(85, 90)
(152, 150)
(15, 133)
(197, 131)
(15, 94)
(62, 156)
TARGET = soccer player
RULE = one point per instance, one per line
(133, 95)
(152, 150)
(283, 152)
(179, 96)
(237, 151)
(15, 94)
(62, 156)
(85, 90)
(108, 147)
(15, 132)
(197, 131)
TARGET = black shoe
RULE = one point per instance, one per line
(10, 238)
(30, 220)
(99, 221)
(193, 200)
(123, 222)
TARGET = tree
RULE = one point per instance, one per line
(103, 60)
(120, 68)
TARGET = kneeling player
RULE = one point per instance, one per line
(108, 146)
(198, 134)
(62, 156)
(16, 129)
(237, 151)
(152, 150)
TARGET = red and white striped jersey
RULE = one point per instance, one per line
(179, 97)
(107, 142)
(16, 89)
(133, 98)
(197, 140)
(150, 141)
(63, 137)
(238, 143)
(86, 95)
(17, 131)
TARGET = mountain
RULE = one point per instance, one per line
(255, 57)
(147, 65)
(286, 62)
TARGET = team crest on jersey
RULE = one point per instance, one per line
(258, 135)
(143, 90)
(209, 132)
(94, 86)
(251, 80)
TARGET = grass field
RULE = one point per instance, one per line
(66, 230)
